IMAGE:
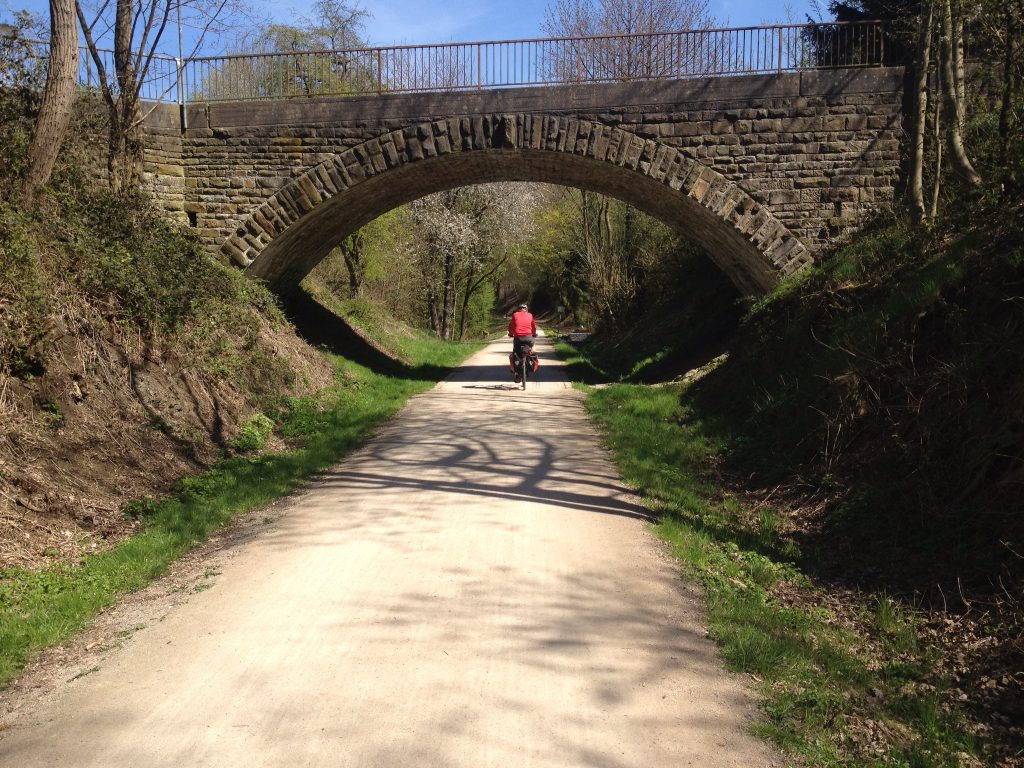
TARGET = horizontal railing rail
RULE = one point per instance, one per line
(538, 61)
(505, 63)
(161, 82)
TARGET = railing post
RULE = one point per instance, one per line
(182, 111)
(723, 51)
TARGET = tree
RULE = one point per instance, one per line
(352, 252)
(999, 25)
(58, 97)
(613, 57)
(951, 58)
(610, 249)
(135, 29)
(320, 56)
(468, 236)
(606, 242)
(915, 186)
(507, 218)
(938, 80)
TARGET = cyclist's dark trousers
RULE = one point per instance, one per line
(519, 342)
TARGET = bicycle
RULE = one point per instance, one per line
(524, 362)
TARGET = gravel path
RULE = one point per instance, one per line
(472, 588)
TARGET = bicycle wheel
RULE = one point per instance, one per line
(522, 368)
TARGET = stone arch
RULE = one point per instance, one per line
(288, 234)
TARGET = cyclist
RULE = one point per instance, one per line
(523, 330)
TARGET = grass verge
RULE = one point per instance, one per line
(41, 608)
(839, 687)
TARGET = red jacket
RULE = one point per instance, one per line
(522, 324)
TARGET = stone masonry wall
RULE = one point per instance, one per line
(820, 149)
(163, 171)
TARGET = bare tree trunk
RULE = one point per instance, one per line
(432, 311)
(134, 23)
(352, 253)
(124, 158)
(938, 159)
(953, 95)
(1009, 74)
(924, 47)
(464, 309)
(58, 98)
(119, 159)
(448, 312)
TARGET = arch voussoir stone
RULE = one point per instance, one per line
(284, 237)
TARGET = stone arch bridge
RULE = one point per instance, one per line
(760, 170)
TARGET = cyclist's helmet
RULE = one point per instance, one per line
(523, 306)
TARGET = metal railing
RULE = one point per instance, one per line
(507, 63)
(539, 61)
(162, 82)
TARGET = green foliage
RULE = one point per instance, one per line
(480, 312)
(141, 509)
(894, 625)
(607, 262)
(23, 75)
(685, 321)
(150, 272)
(899, 360)
(118, 257)
(415, 348)
(24, 298)
(52, 414)
(819, 681)
(254, 434)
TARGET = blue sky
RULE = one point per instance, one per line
(405, 21)
(411, 21)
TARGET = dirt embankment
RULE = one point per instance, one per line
(114, 417)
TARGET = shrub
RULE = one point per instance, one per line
(254, 434)
(24, 304)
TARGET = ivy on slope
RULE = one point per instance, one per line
(889, 385)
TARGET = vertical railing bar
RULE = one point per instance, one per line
(506, 63)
